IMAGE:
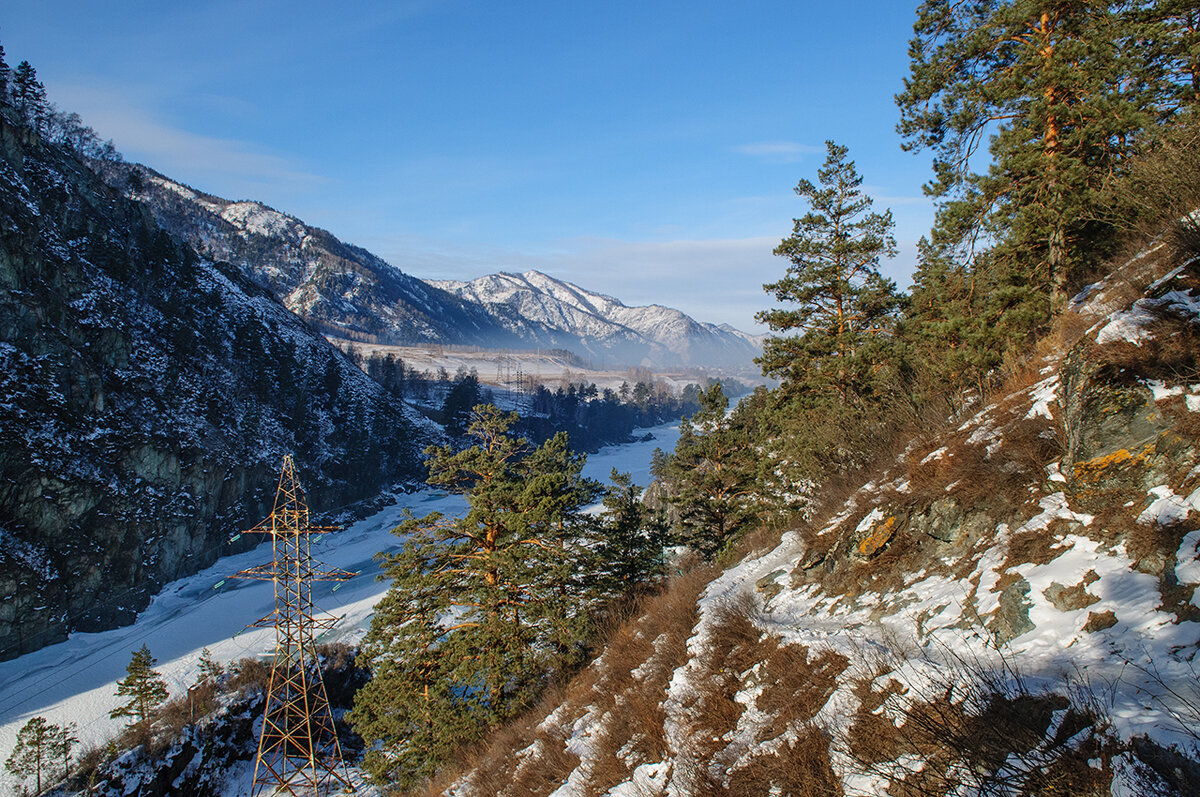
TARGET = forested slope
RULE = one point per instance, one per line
(147, 397)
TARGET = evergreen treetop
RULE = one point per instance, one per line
(1058, 93)
(35, 750)
(145, 688)
(837, 303)
(481, 608)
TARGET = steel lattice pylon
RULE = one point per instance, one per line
(298, 747)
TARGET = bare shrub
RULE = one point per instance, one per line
(979, 729)
(184, 710)
(872, 737)
(800, 768)
(1163, 186)
(249, 674)
(654, 643)
(734, 646)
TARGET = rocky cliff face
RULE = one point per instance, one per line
(146, 398)
(1010, 608)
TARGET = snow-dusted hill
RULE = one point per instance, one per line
(339, 288)
(554, 313)
(144, 391)
(347, 292)
(1009, 608)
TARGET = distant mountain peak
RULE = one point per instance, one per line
(561, 313)
(348, 292)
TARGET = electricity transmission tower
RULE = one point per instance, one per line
(298, 747)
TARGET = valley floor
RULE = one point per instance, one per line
(501, 368)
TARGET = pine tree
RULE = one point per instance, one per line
(1174, 40)
(633, 539)
(29, 95)
(711, 476)
(62, 741)
(145, 688)
(1059, 93)
(5, 77)
(211, 670)
(482, 608)
(841, 307)
(35, 750)
(412, 709)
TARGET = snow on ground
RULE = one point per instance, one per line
(75, 681)
(239, 781)
(496, 368)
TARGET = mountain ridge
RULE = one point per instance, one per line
(561, 313)
(348, 292)
(341, 288)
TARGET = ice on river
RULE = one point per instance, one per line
(75, 681)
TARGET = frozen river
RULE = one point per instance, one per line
(75, 680)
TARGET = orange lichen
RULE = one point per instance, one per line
(879, 536)
(1093, 470)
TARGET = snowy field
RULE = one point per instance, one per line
(499, 369)
(75, 681)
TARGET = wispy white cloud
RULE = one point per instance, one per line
(717, 280)
(223, 165)
(778, 151)
(882, 198)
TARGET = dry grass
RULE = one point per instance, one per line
(801, 768)
(734, 646)
(786, 755)
(1169, 352)
(653, 643)
(756, 541)
(1183, 421)
(872, 737)
(796, 684)
(981, 731)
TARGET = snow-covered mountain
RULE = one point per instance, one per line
(341, 289)
(554, 313)
(347, 292)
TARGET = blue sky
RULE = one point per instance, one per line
(647, 150)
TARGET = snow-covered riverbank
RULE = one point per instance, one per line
(75, 681)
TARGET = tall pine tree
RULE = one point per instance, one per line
(482, 608)
(1057, 93)
(35, 750)
(838, 307)
(711, 477)
(144, 687)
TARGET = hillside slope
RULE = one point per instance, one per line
(1010, 608)
(339, 288)
(146, 398)
(557, 314)
(347, 292)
